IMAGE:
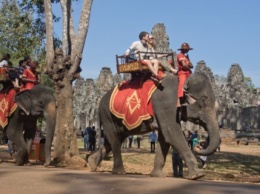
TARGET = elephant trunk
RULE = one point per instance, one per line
(213, 138)
(50, 116)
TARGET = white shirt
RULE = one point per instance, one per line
(137, 46)
(3, 63)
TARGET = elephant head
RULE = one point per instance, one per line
(202, 111)
(40, 101)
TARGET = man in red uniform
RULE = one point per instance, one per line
(185, 67)
(30, 76)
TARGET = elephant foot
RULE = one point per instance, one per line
(119, 171)
(157, 173)
(21, 158)
(195, 175)
(46, 164)
(28, 164)
(19, 161)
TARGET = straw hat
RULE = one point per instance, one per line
(185, 46)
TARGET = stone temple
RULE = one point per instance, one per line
(238, 103)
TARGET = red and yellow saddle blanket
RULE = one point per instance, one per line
(131, 102)
(7, 105)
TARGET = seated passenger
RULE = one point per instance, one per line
(24, 64)
(152, 48)
(141, 46)
(4, 60)
(30, 76)
(8, 68)
(13, 75)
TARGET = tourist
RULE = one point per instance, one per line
(141, 46)
(138, 140)
(130, 138)
(165, 63)
(92, 140)
(152, 140)
(177, 163)
(86, 138)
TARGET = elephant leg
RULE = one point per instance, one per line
(160, 157)
(29, 134)
(181, 145)
(21, 154)
(95, 159)
(116, 143)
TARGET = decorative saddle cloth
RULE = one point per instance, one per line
(7, 105)
(130, 101)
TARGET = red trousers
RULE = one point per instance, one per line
(182, 78)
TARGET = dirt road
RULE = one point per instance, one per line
(41, 180)
(38, 179)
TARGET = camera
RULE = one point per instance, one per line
(146, 56)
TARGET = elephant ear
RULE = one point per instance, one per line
(23, 100)
(189, 97)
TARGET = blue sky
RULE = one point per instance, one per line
(222, 32)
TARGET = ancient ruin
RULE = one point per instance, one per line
(238, 104)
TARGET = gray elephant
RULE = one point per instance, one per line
(164, 101)
(21, 127)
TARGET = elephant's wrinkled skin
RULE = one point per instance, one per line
(21, 127)
(170, 133)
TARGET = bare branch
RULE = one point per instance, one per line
(66, 18)
(78, 45)
(49, 35)
(71, 32)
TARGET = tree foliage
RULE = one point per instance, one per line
(20, 33)
(32, 21)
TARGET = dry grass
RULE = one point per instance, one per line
(234, 163)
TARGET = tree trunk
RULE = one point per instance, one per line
(65, 145)
(49, 35)
(63, 66)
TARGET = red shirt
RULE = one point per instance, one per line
(181, 57)
(30, 75)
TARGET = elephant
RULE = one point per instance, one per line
(167, 116)
(21, 127)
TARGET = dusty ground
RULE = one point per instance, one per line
(235, 163)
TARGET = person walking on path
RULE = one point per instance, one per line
(152, 140)
(92, 140)
(86, 138)
(130, 138)
(177, 164)
(138, 140)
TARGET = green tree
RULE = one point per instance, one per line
(20, 33)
